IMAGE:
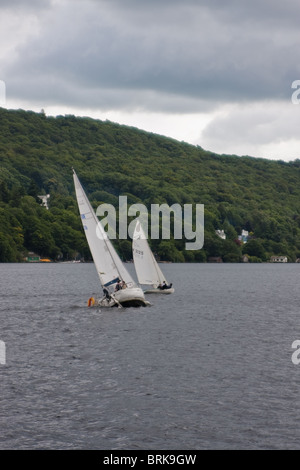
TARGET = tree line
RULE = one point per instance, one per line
(37, 153)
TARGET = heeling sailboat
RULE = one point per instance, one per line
(147, 270)
(109, 266)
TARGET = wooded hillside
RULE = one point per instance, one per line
(239, 193)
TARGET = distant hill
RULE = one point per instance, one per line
(239, 193)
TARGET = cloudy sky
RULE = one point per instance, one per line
(214, 73)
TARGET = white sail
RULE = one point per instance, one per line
(108, 264)
(147, 270)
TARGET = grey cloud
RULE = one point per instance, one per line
(258, 125)
(195, 53)
(27, 5)
(265, 11)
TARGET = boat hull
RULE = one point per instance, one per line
(160, 291)
(130, 297)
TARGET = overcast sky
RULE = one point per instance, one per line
(215, 73)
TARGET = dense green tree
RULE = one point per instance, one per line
(33, 190)
(8, 251)
(255, 248)
(4, 193)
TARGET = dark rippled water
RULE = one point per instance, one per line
(208, 367)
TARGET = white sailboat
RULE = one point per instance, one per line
(109, 266)
(147, 270)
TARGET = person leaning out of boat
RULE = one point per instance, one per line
(106, 293)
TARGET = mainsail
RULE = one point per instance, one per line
(147, 270)
(108, 264)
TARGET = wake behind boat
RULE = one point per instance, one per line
(147, 270)
(119, 289)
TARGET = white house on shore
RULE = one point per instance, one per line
(221, 234)
(244, 236)
(278, 259)
(44, 199)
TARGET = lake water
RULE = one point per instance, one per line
(208, 367)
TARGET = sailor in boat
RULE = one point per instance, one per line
(164, 286)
